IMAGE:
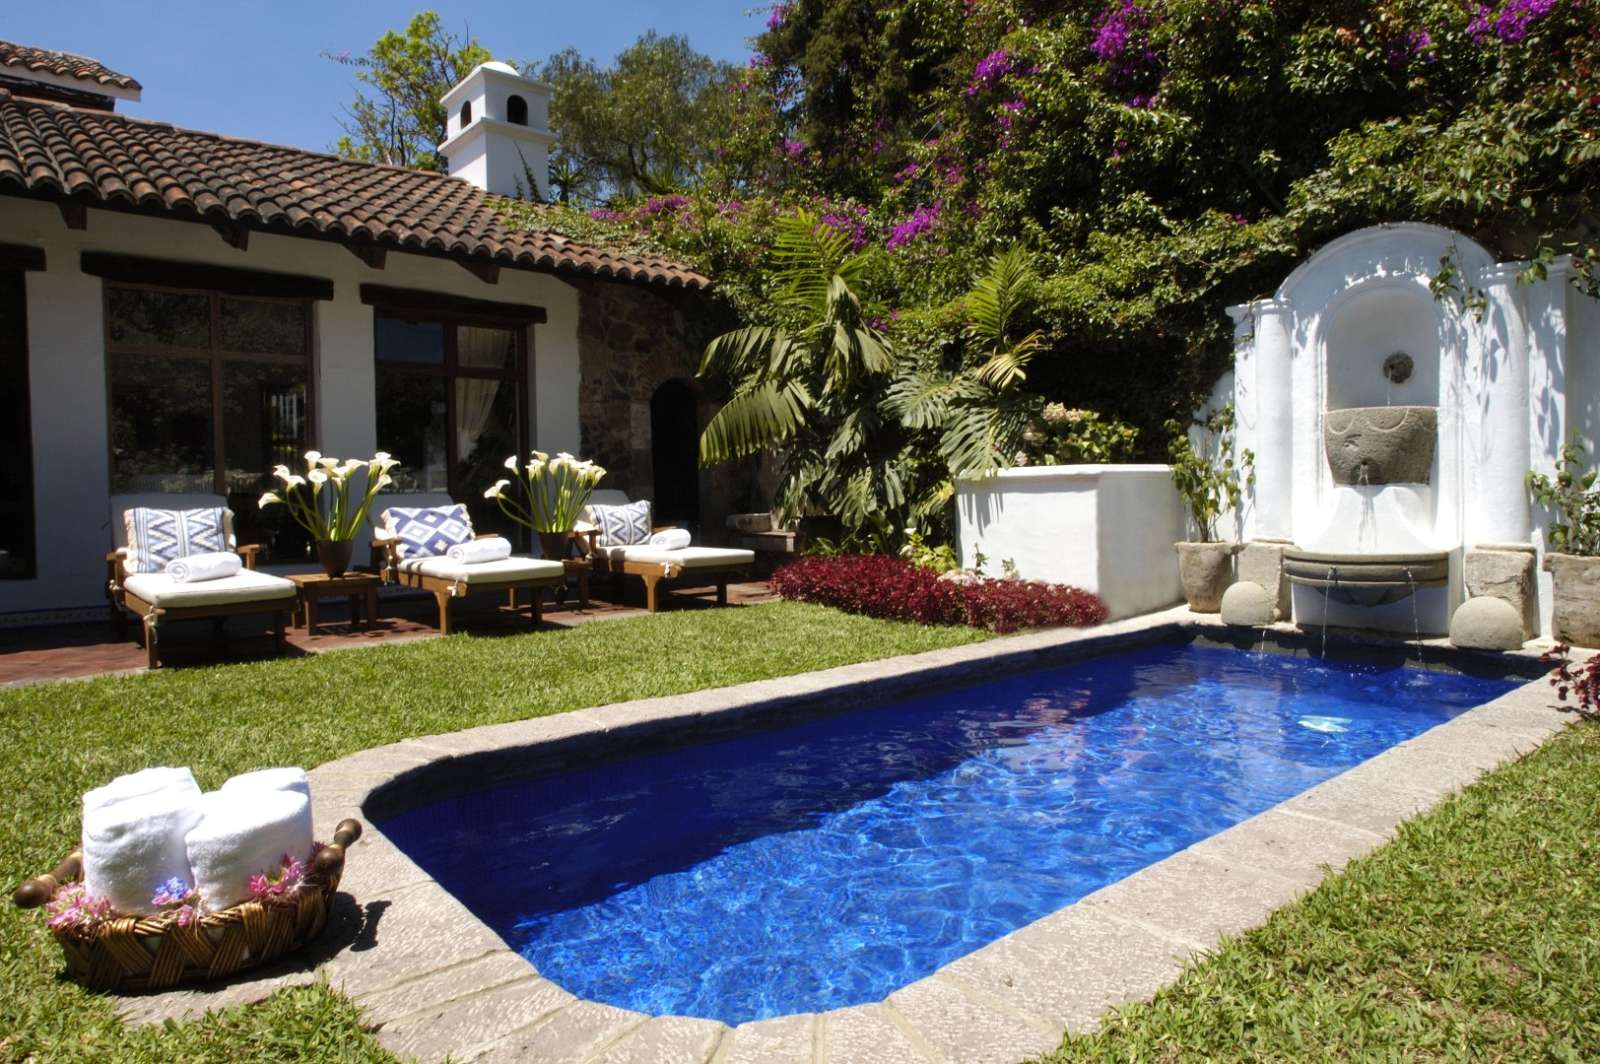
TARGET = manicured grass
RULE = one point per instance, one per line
(56, 740)
(1474, 935)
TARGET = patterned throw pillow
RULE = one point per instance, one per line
(428, 531)
(156, 537)
(623, 526)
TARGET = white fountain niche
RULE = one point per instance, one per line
(1392, 431)
(1375, 547)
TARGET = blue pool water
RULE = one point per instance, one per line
(830, 862)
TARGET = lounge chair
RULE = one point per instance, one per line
(155, 597)
(448, 580)
(692, 566)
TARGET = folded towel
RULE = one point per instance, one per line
(487, 549)
(670, 539)
(197, 567)
(139, 784)
(271, 779)
(245, 831)
(133, 846)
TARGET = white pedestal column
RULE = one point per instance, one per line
(1498, 389)
(1274, 448)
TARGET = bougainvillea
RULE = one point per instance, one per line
(890, 588)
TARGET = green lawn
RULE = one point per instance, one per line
(57, 740)
(1471, 936)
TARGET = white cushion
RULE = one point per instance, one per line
(686, 558)
(247, 585)
(484, 572)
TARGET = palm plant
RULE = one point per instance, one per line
(978, 413)
(807, 387)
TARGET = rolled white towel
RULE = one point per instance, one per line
(245, 831)
(271, 779)
(487, 549)
(197, 567)
(137, 785)
(133, 846)
(670, 539)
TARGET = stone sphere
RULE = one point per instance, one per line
(1486, 623)
(1247, 604)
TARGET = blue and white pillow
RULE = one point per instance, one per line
(428, 531)
(623, 526)
(156, 537)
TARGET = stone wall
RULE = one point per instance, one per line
(632, 340)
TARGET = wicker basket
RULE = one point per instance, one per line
(135, 953)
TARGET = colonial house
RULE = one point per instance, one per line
(180, 311)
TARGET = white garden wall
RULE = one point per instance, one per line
(1109, 529)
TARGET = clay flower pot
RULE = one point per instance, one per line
(1577, 598)
(334, 555)
(1206, 570)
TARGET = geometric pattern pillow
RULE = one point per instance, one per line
(156, 537)
(428, 531)
(623, 526)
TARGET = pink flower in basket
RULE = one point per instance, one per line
(283, 880)
(75, 907)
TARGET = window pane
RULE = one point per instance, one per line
(411, 427)
(160, 424)
(166, 319)
(16, 440)
(421, 342)
(263, 327)
(486, 348)
(264, 423)
(486, 433)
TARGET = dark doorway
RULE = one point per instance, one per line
(16, 436)
(675, 454)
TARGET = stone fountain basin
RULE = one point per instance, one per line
(1373, 445)
(1367, 579)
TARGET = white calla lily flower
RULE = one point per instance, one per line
(511, 463)
(268, 498)
(317, 478)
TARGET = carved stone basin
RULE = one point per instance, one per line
(1381, 444)
(1367, 579)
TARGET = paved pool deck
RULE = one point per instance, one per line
(435, 981)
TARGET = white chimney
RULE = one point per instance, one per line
(499, 131)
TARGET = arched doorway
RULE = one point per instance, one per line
(675, 453)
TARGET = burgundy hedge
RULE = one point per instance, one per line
(893, 589)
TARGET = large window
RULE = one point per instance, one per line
(16, 436)
(451, 404)
(208, 393)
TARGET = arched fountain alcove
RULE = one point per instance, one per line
(1390, 428)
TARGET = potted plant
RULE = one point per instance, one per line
(552, 493)
(320, 501)
(1573, 557)
(1209, 480)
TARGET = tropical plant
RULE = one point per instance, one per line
(1204, 470)
(320, 501)
(806, 387)
(1573, 499)
(979, 413)
(551, 492)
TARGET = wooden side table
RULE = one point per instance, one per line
(360, 588)
(580, 568)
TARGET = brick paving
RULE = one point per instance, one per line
(58, 652)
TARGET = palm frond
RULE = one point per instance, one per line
(999, 297)
(744, 351)
(1008, 367)
(753, 420)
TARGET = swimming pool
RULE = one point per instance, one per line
(830, 862)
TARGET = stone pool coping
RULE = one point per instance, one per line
(434, 980)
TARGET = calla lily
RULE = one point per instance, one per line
(495, 489)
(294, 480)
(553, 492)
(331, 514)
(511, 463)
(317, 478)
(312, 458)
(269, 498)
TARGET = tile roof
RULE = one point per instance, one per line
(63, 64)
(110, 160)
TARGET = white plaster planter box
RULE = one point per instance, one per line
(1105, 528)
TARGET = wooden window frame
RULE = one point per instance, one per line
(216, 355)
(451, 369)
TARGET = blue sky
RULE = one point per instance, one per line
(256, 69)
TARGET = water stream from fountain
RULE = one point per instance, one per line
(1416, 623)
(1327, 599)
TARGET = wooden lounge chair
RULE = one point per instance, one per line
(690, 566)
(447, 580)
(156, 597)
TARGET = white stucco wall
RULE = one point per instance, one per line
(1108, 529)
(67, 367)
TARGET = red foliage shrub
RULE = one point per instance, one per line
(893, 589)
